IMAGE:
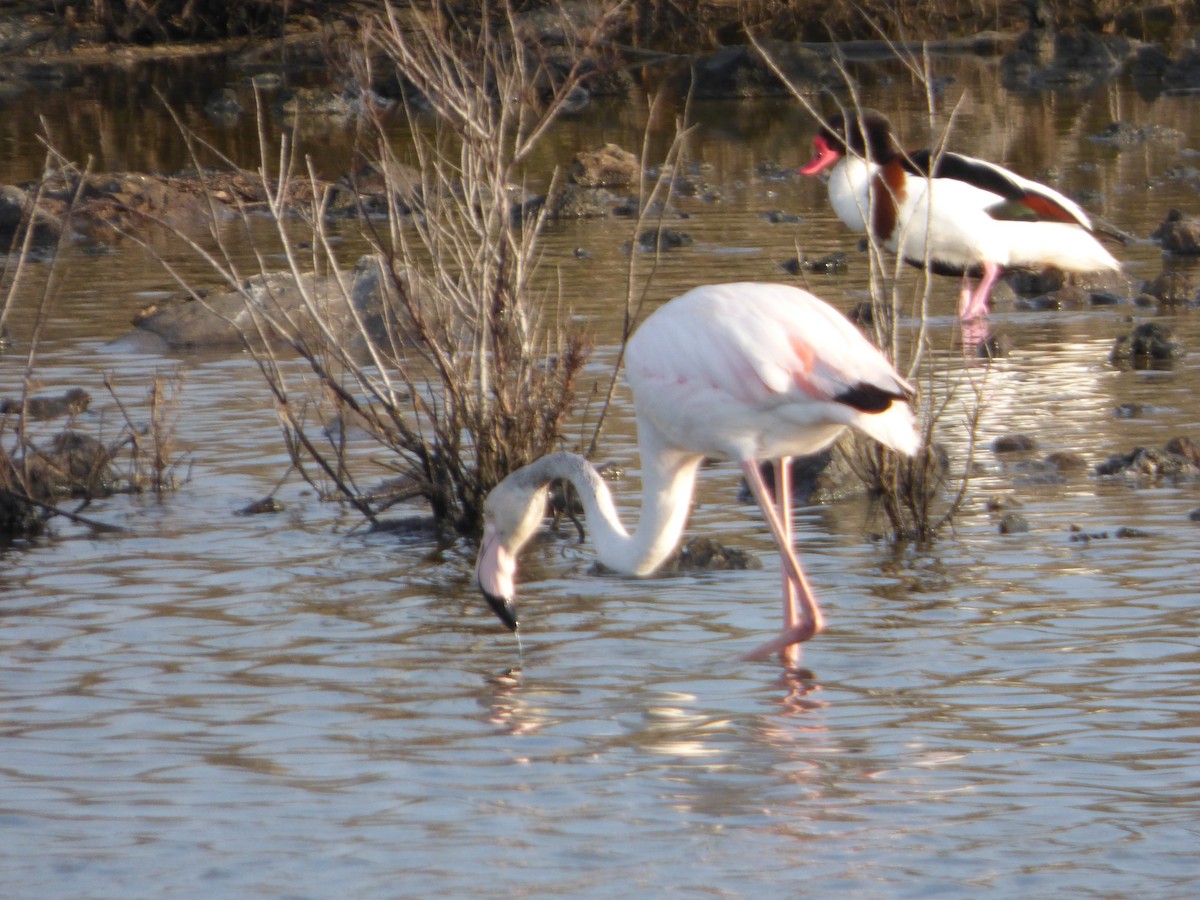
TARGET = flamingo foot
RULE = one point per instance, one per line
(786, 643)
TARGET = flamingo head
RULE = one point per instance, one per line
(511, 514)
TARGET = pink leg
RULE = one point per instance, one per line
(964, 296)
(974, 306)
(791, 603)
(808, 613)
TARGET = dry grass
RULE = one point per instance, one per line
(457, 369)
(49, 460)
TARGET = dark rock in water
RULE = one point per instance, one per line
(1171, 288)
(1067, 461)
(770, 170)
(820, 478)
(607, 166)
(662, 239)
(1179, 234)
(779, 217)
(575, 202)
(1149, 344)
(829, 264)
(73, 402)
(1105, 298)
(1013, 523)
(1011, 443)
(1081, 536)
(1194, 515)
(1150, 63)
(705, 554)
(1035, 304)
(999, 502)
(278, 308)
(1179, 459)
(1123, 135)
(259, 507)
(1070, 297)
(1186, 448)
(329, 103)
(1033, 283)
(1126, 531)
(698, 554)
(16, 212)
(1132, 410)
(1152, 71)
(1046, 60)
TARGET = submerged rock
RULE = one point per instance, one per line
(1171, 289)
(1045, 59)
(819, 478)
(1123, 135)
(1066, 461)
(1013, 523)
(1179, 459)
(1179, 234)
(276, 308)
(260, 507)
(72, 403)
(835, 263)
(607, 166)
(1150, 344)
(705, 554)
(653, 239)
(17, 213)
(1012, 443)
(1153, 72)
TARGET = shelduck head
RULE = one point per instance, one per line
(866, 134)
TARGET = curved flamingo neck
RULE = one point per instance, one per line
(668, 479)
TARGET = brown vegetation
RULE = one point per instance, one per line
(682, 26)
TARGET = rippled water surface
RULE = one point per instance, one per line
(284, 705)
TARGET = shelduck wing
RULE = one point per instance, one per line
(1018, 198)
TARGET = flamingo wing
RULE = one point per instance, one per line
(743, 360)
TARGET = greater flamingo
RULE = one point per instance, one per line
(970, 218)
(748, 372)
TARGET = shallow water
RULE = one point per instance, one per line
(285, 705)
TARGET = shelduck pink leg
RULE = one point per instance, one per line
(975, 305)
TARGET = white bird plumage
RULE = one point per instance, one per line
(971, 215)
(748, 372)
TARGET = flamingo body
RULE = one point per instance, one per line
(747, 372)
(965, 215)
